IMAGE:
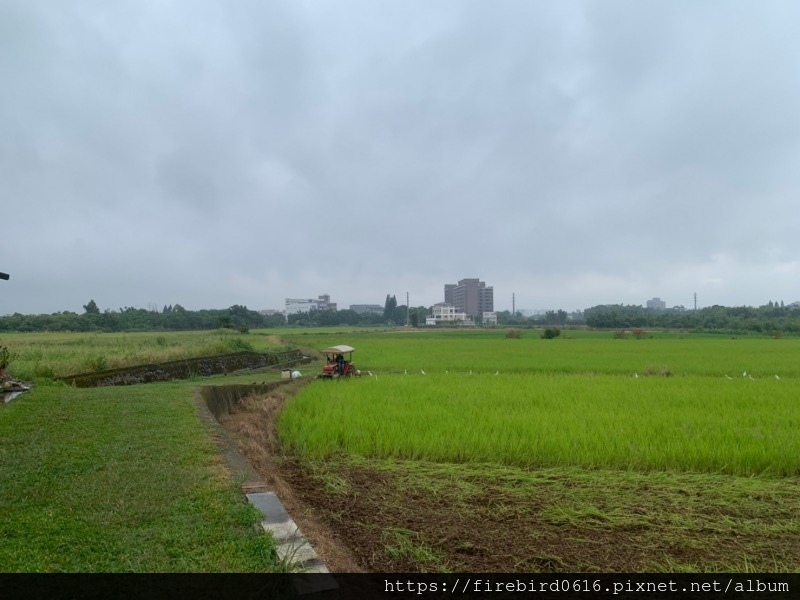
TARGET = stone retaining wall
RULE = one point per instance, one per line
(183, 369)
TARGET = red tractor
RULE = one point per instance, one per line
(337, 365)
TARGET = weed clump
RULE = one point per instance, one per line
(658, 372)
(5, 358)
(97, 362)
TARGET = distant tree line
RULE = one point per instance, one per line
(392, 315)
(175, 318)
(772, 318)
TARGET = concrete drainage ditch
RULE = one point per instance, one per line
(293, 549)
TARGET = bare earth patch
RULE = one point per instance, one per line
(408, 516)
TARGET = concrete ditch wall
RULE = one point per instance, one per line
(184, 369)
(222, 399)
(292, 548)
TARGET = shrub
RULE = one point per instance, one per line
(550, 333)
(236, 345)
(513, 334)
(97, 362)
(5, 358)
(620, 334)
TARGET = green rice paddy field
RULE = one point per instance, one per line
(664, 453)
(706, 405)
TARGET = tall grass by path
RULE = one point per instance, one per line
(696, 424)
(50, 355)
(119, 480)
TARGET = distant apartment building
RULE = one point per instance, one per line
(470, 296)
(362, 309)
(303, 305)
(448, 292)
(657, 304)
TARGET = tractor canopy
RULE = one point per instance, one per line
(342, 349)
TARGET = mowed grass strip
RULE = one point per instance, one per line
(119, 480)
(701, 424)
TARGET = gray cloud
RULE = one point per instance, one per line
(573, 153)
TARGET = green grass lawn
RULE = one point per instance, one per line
(120, 480)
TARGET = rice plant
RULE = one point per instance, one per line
(703, 424)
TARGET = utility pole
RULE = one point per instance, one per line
(408, 309)
(4, 276)
(695, 302)
(513, 305)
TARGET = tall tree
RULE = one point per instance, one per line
(389, 307)
(91, 308)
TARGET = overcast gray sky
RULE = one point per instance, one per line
(573, 153)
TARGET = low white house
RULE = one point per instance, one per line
(445, 313)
